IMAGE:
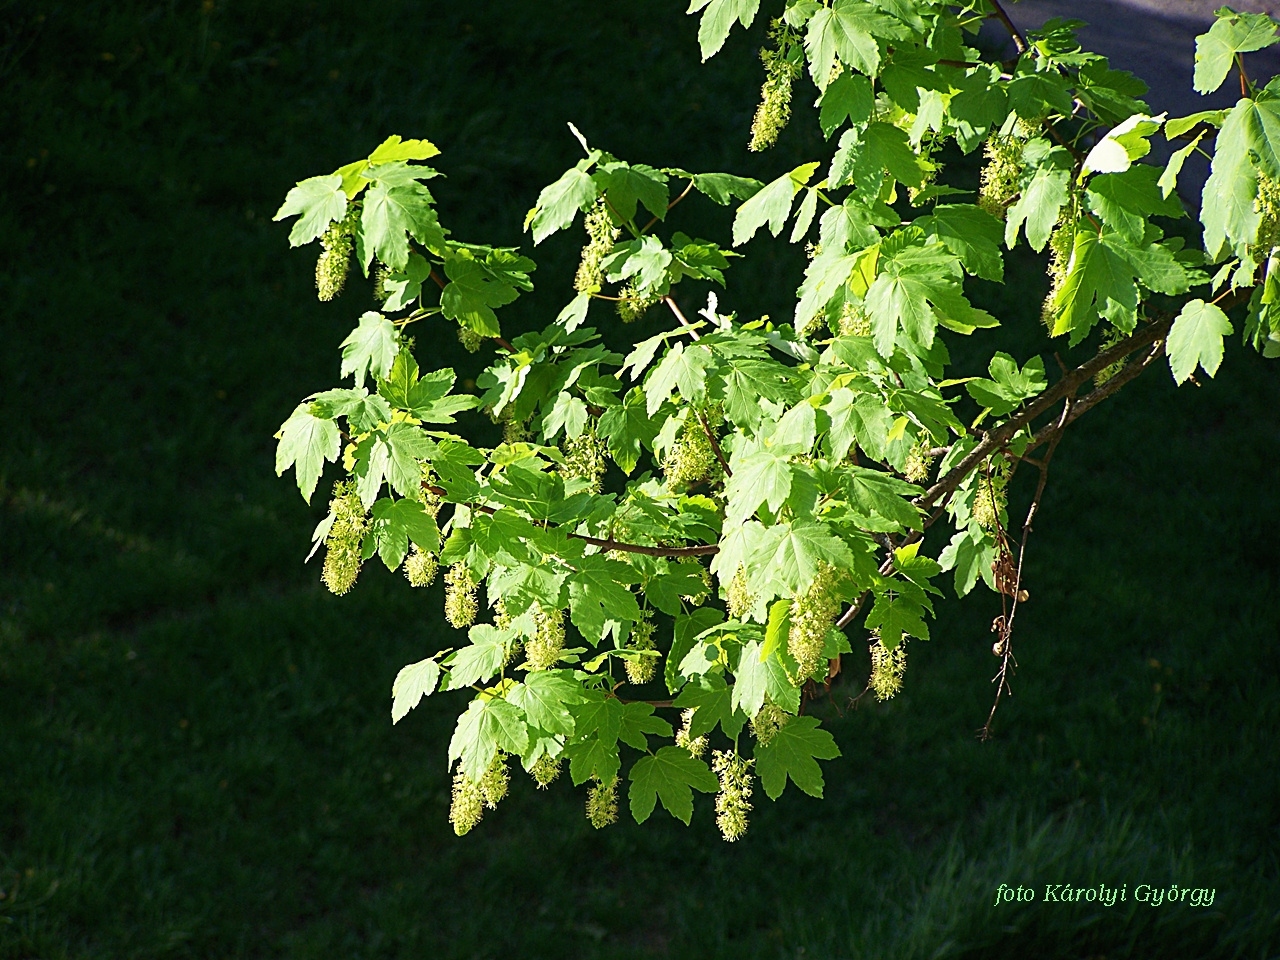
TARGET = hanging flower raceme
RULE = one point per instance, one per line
(602, 803)
(335, 255)
(887, 667)
(602, 235)
(344, 542)
(733, 802)
(775, 96)
(813, 613)
(460, 590)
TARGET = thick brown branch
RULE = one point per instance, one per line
(1067, 386)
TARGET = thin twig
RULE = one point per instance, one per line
(684, 321)
(715, 444)
(1019, 40)
(646, 227)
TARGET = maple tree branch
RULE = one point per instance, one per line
(715, 444)
(684, 321)
(1019, 40)
(654, 220)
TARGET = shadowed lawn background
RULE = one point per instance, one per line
(196, 758)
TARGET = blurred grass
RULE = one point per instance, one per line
(196, 758)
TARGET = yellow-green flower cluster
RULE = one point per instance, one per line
(733, 802)
(769, 719)
(543, 650)
(640, 670)
(918, 462)
(342, 545)
(335, 256)
(460, 590)
(545, 770)
(632, 305)
(1061, 243)
(887, 668)
(1111, 369)
(738, 597)
(999, 183)
(695, 745)
(467, 808)
(775, 96)
(602, 803)
(1267, 204)
(692, 458)
(470, 339)
(602, 235)
(584, 456)
(812, 614)
(496, 780)
(852, 321)
(699, 596)
(989, 500)
(381, 274)
(420, 567)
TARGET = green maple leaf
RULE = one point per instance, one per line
(392, 454)
(717, 20)
(628, 428)
(969, 233)
(875, 493)
(685, 370)
(1125, 200)
(372, 346)
(1249, 141)
(391, 212)
(865, 155)
(1008, 385)
(646, 259)
(759, 676)
(896, 612)
(317, 202)
(1101, 281)
(412, 683)
(687, 628)
(404, 287)
(723, 187)
(545, 697)
(481, 659)
(771, 204)
(472, 293)
(793, 551)
(363, 410)
(560, 202)
(761, 476)
(970, 558)
(711, 700)
(396, 523)
(638, 720)
(394, 148)
(1044, 193)
(1196, 338)
(306, 442)
(598, 595)
(597, 720)
(1233, 33)
(487, 725)
(848, 30)
(794, 752)
(625, 184)
(670, 775)
(847, 97)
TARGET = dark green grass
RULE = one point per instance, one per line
(195, 753)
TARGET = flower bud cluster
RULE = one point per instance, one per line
(738, 597)
(545, 770)
(1061, 244)
(344, 542)
(584, 456)
(1111, 369)
(699, 596)
(632, 305)
(496, 780)
(733, 802)
(640, 670)
(602, 803)
(1000, 175)
(602, 235)
(470, 339)
(514, 431)
(543, 650)
(431, 501)
(692, 458)
(775, 96)
(420, 567)
(769, 719)
(813, 613)
(695, 745)
(887, 668)
(460, 590)
(335, 256)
